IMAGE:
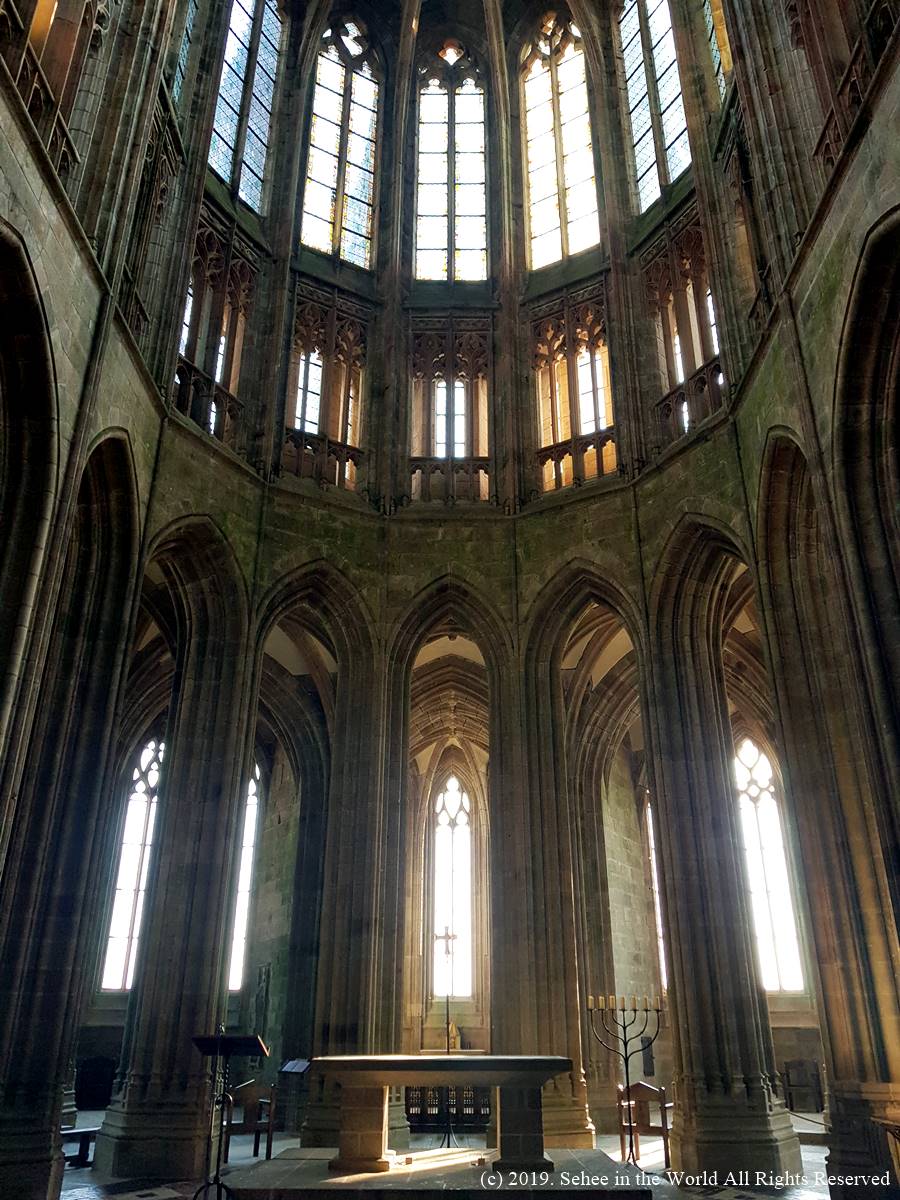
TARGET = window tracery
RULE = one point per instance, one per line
(563, 216)
(451, 197)
(339, 193)
(774, 920)
(659, 138)
(124, 932)
(239, 146)
(576, 435)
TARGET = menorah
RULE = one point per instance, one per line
(624, 1034)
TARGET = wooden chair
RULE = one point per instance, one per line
(258, 1116)
(640, 1097)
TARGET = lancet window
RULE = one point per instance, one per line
(774, 920)
(339, 193)
(239, 147)
(323, 418)
(450, 412)
(657, 905)
(133, 868)
(717, 39)
(452, 925)
(179, 73)
(563, 215)
(451, 197)
(245, 879)
(574, 395)
(659, 137)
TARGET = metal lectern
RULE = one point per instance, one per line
(224, 1046)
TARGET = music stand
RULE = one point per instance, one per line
(224, 1046)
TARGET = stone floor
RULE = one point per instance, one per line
(435, 1172)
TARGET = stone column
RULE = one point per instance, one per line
(546, 987)
(727, 1116)
(158, 1123)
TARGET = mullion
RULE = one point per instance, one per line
(558, 143)
(340, 183)
(662, 165)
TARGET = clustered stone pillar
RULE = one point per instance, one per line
(158, 1122)
(727, 1116)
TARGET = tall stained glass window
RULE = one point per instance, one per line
(562, 188)
(774, 922)
(245, 879)
(452, 964)
(134, 865)
(451, 199)
(659, 138)
(339, 193)
(242, 125)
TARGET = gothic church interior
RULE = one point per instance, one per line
(449, 559)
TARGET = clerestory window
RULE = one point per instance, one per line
(451, 198)
(563, 216)
(239, 148)
(659, 138)
(339, 193)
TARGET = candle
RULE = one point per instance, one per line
(590, 1002)
(646, 1004)
(622, 1003)
(601, 1002)
(612, 1003)
(656, 1004)
(634, 1003)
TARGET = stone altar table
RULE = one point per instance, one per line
(365, 1079)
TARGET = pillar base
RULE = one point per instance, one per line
(159, 1142)
(31, 1161)
(730, 1134)
(567, 1122)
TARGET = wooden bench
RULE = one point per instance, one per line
(366, 1078)
(85, 1139)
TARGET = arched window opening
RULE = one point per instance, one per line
(657, 906)
(563, 215)
(452, 961)
(239, 147)
(339, 193)
(659, 138)
(309, 392)
(576, 433)
(245, 881)
(134, 865)
(774, 920)
(451, 197)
